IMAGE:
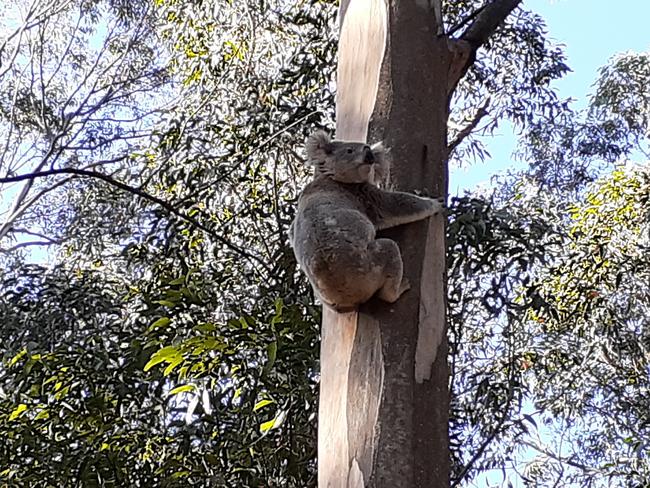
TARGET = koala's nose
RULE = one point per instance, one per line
(368, 156)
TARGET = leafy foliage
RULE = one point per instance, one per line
(509, 81)
(590, 355)
(76, 91)
(567, 151)
(170, 340)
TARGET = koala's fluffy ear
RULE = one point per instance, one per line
(318, 145)
(382, 158)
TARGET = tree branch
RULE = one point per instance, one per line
(144, 195)
(25, 244)
(481, 112)
(487, 21)
(558, 458)
(465, 21)
(17, 230)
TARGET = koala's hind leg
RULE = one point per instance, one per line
(386, 253)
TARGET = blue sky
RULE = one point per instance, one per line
(592, 31)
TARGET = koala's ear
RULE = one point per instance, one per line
(318, 145)
(378, 150)
(382, 158)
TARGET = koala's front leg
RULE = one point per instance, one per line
(396, 208)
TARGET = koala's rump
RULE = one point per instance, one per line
(336, 257)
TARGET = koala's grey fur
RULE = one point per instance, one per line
(339, 212)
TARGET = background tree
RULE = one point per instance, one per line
(548, 261)
(77, 83)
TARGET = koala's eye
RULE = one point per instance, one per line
(350, 150)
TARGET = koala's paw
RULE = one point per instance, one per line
(404, 286)
(439, 205)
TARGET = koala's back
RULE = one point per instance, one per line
(331, 215)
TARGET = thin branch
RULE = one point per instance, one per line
(17, 230)
(467, 130)
(25, 244)
(142, 194)
(18, 211)
(465, 21)
(558, 458)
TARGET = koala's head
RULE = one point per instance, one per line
(347, 162)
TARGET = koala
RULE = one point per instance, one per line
(339, 212)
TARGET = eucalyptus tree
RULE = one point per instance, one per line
(169, 250)
(156, 149)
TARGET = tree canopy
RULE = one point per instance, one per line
(155, 330)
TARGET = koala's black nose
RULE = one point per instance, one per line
(368, 156)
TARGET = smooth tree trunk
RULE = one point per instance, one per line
(384, 397)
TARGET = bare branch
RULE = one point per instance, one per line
(144, 195)
(25, 244)
(17, 230)
(20, 207)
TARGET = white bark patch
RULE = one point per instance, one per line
(362, 44)
(337, 339)
(432, 303)
(355, 477)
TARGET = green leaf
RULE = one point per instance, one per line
(262, 404)
(167, 354)
(42, 415)
(172, 364)
(161, 322)
(266, 426)
(18, 411)
(180, 474)
(273, 424)
(17, 357)
(181, 389)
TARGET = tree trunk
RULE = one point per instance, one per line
(384, 398)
